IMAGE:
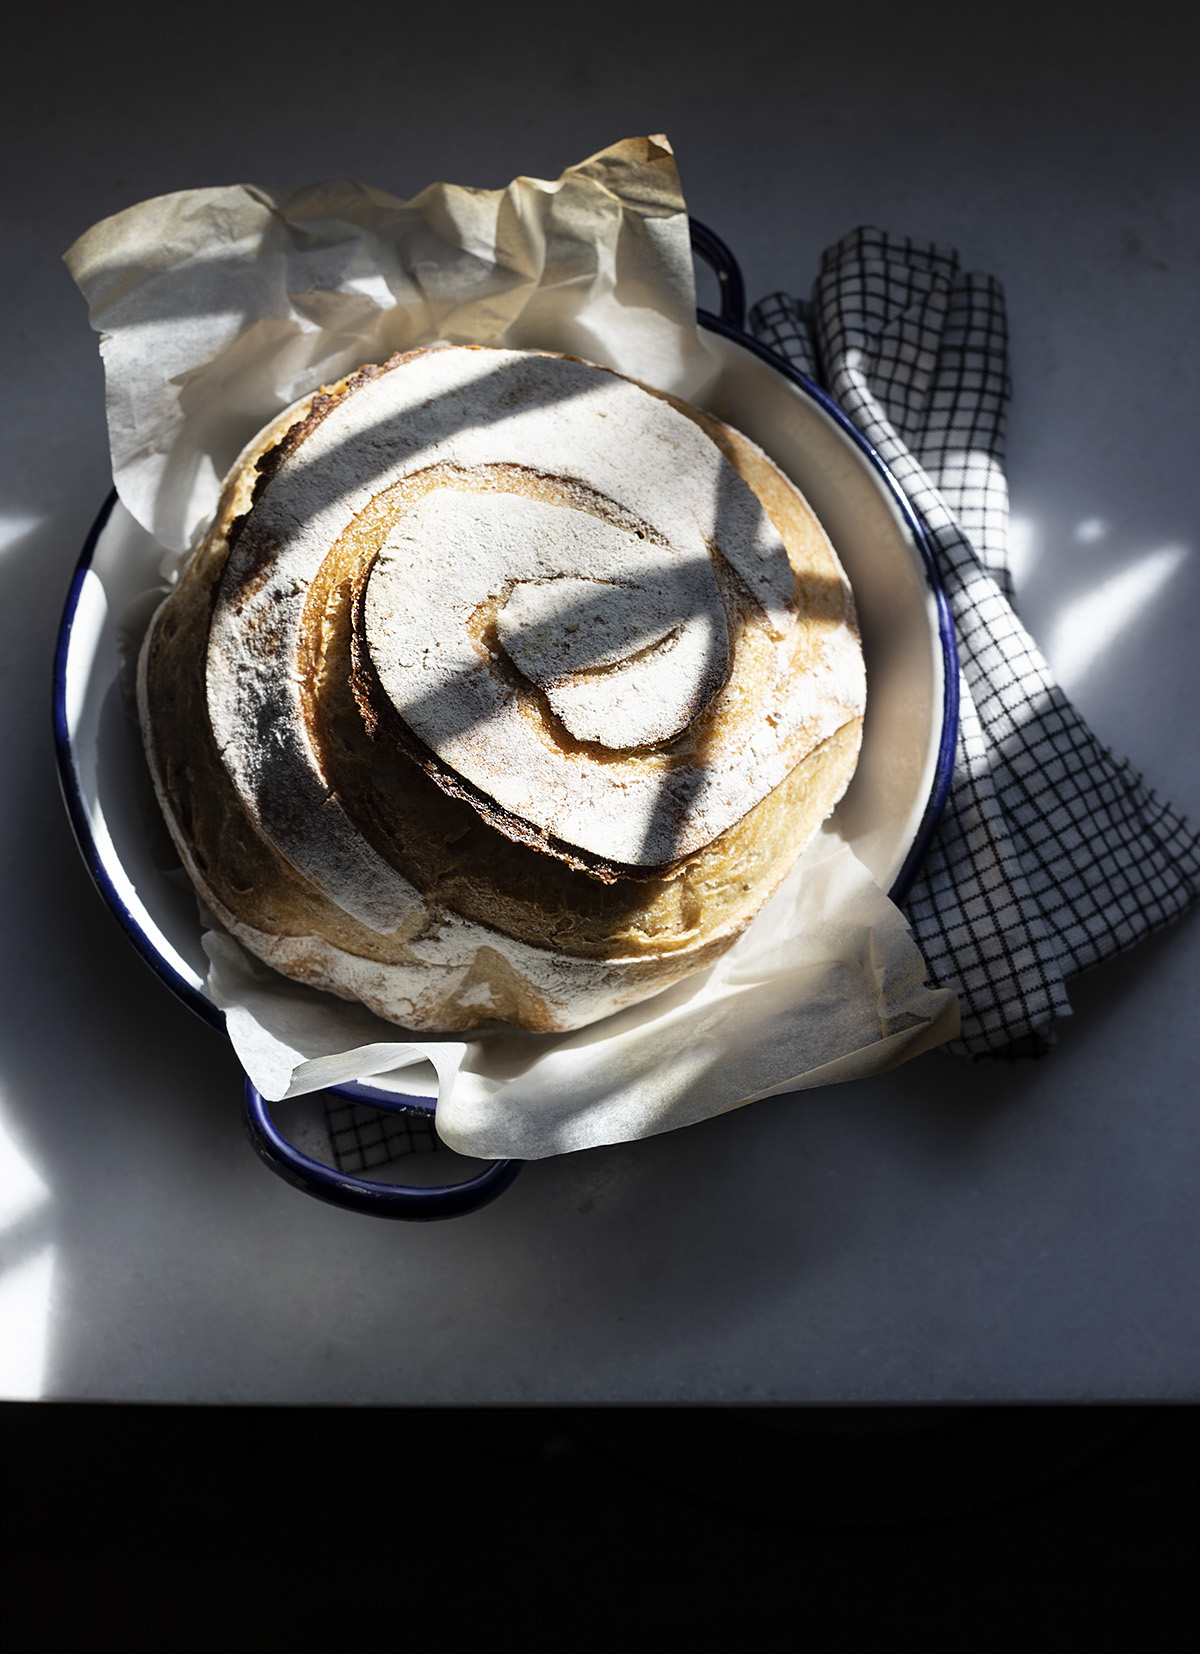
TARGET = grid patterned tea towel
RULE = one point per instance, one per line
(1051, 855)
(361, 1138)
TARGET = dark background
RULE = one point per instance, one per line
(135, 1530)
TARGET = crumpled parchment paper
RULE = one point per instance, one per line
(217, 308)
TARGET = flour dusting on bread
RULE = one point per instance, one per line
(501, 687)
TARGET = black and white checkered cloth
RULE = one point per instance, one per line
(1052, 855)
(362, 1138)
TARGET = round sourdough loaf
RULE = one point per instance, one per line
(501, 687)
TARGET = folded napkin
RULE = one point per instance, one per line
(1052, 855)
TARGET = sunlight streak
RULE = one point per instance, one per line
(27, 1281)
(16, 526)
(1089, 625)
(87, 629)
(25, 1292)
(1023, 549)
(21, 1189)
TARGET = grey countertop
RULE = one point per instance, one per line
(945, 1232)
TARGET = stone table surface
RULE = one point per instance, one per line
(947, 1232)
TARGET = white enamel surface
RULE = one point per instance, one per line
(108, 763)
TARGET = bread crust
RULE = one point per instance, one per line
(479, 913)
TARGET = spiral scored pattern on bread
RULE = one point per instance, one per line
(501, 687)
